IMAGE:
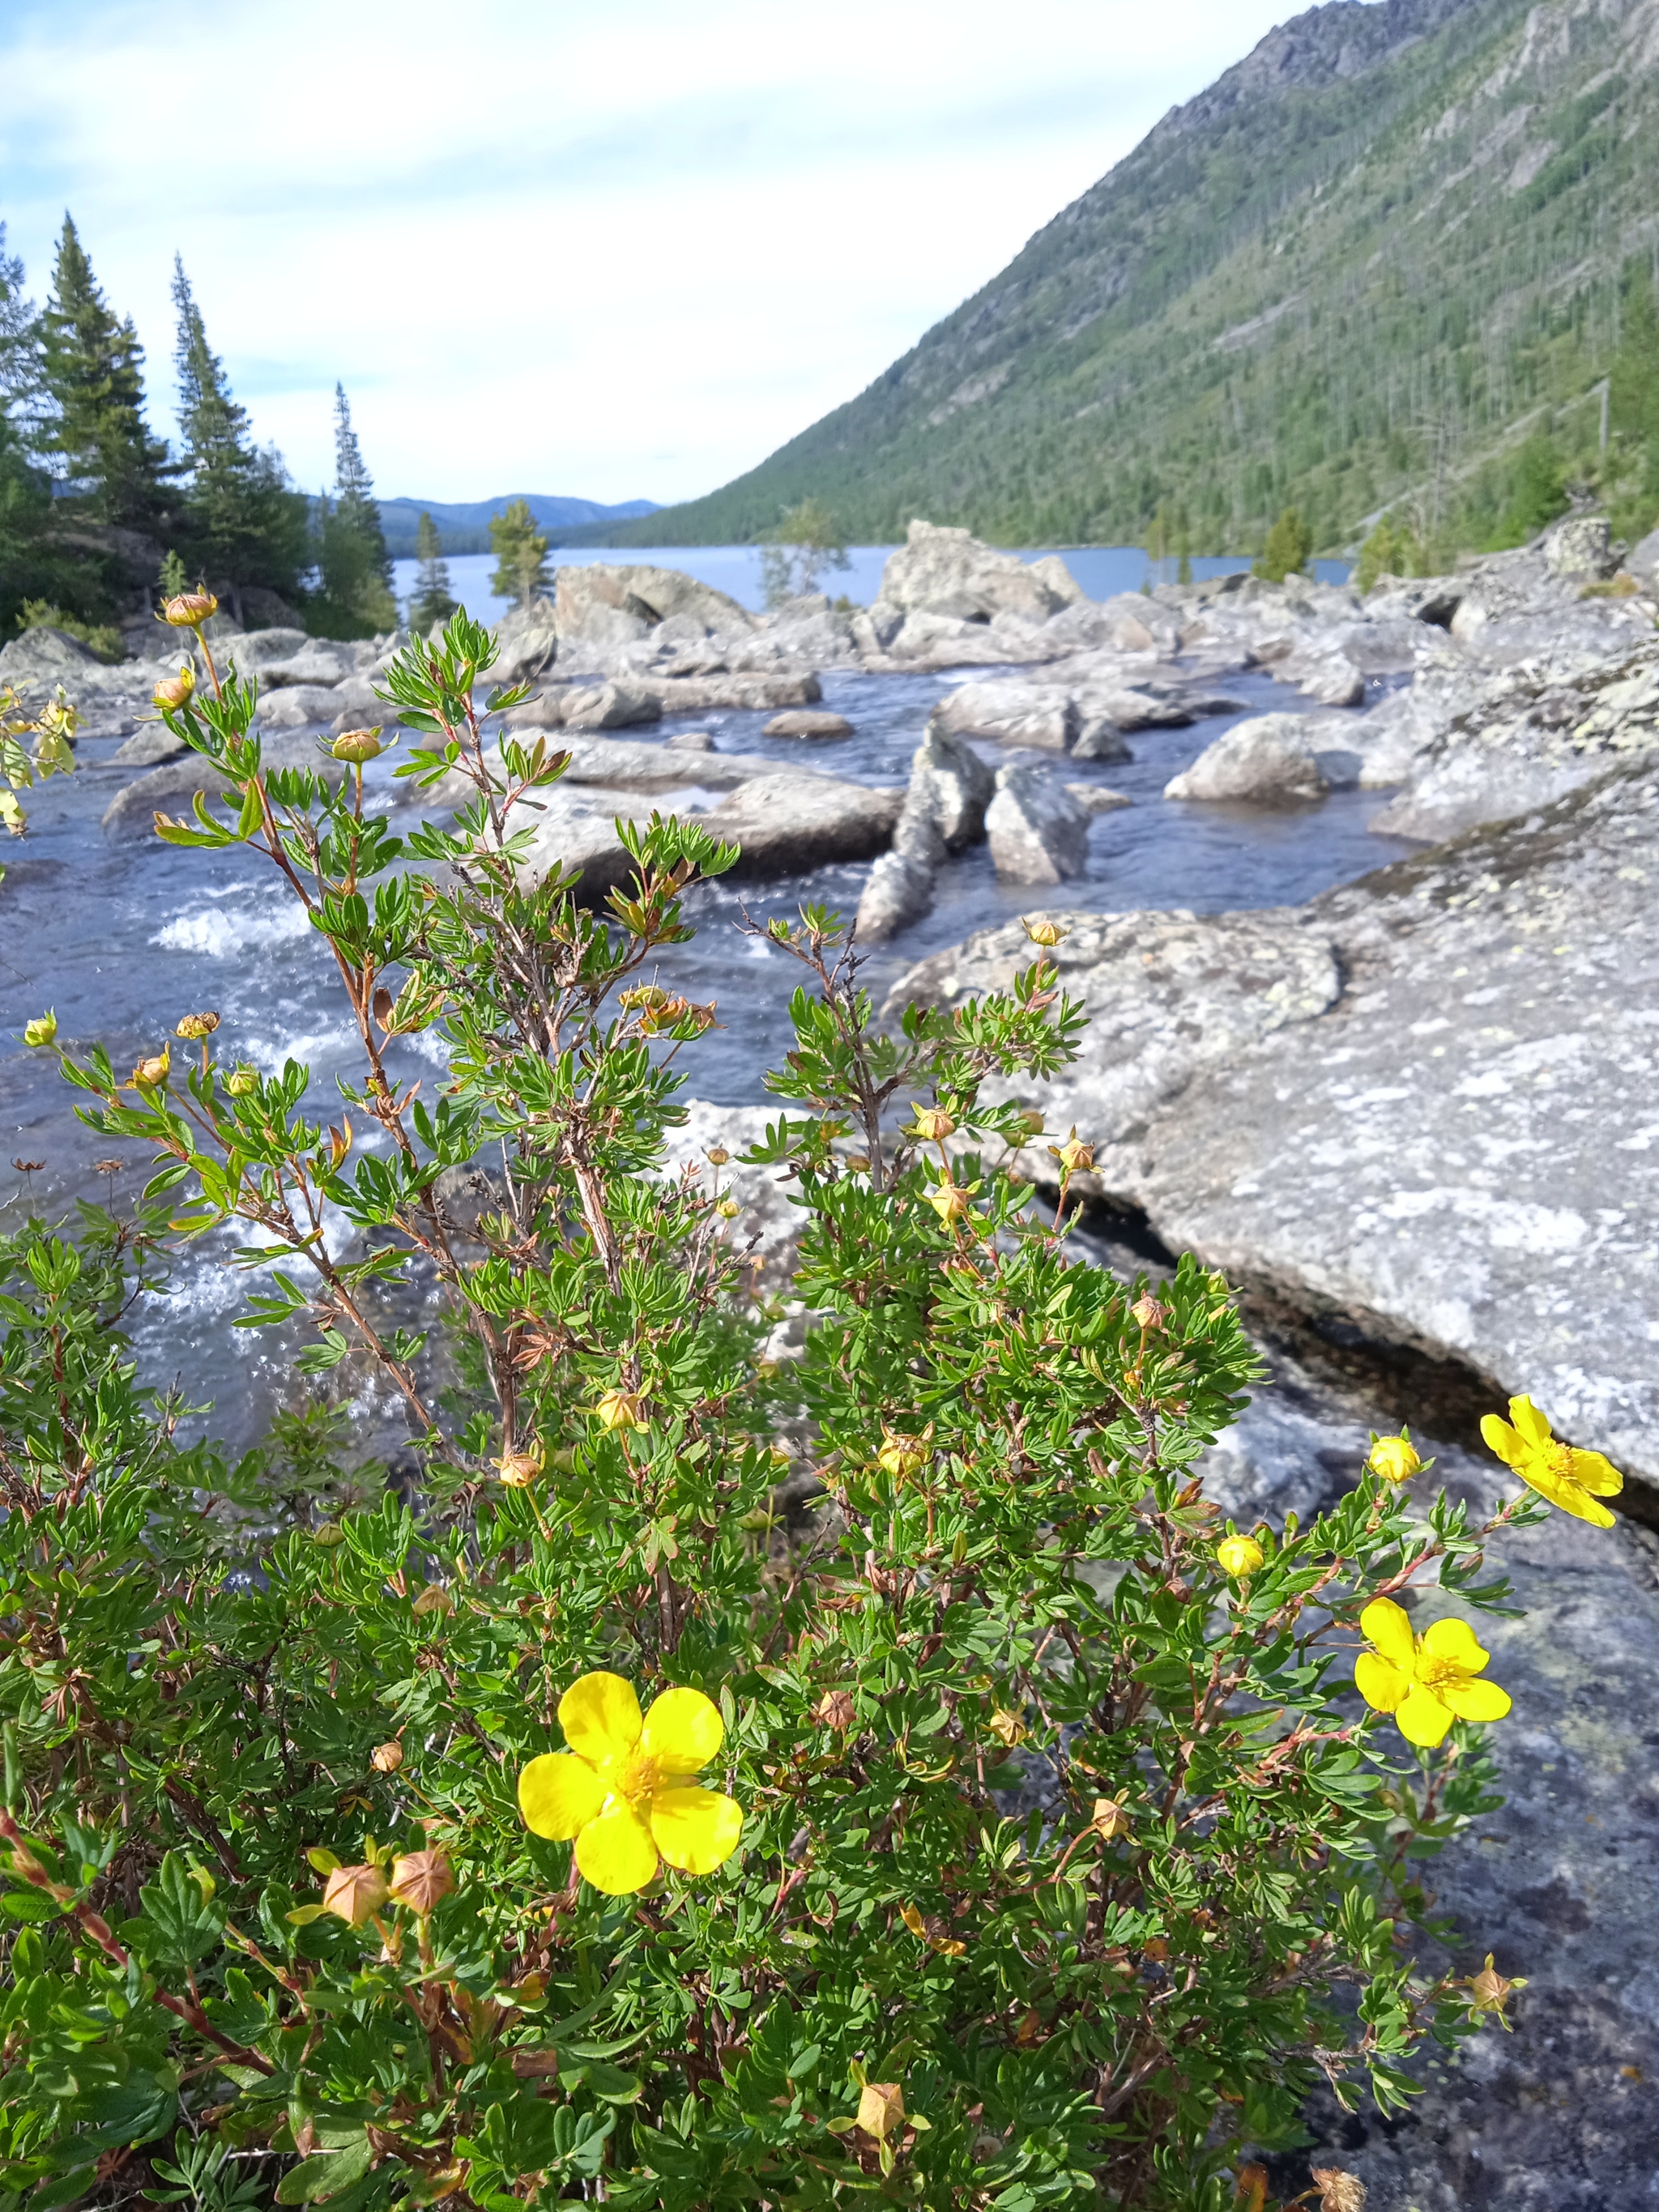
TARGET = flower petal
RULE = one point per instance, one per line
(1423, 1718)
(558, 1794)
(1595, 1474)
(682, 1731)
(1475, 1701)
(600, 1716)
(1454, 1643)
(1571, 1499)
(1379, 1681)
(1389, 1626)
(1530, 1423)
(1500, 1437)
(615, 1852)
(696, 1830)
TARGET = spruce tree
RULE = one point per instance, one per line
(29, 568)
(520, 551)
(243, 522)
(94, 372)
(1289, 543)
(356, 565)
(431, 602)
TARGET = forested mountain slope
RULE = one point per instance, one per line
(1391, 246)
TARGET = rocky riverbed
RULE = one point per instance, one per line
(1411, 1115)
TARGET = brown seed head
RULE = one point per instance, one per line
(434, 1599)
(1008, 1729)
(837, 1709)
(518, 1470)
(1074, 1156)
(353, 1892)
(1489, 1991)
(1148, 1312)
(386, 1758)
(197, 1026)
(1110, 1820)
(419, 1879)
(1339, 2192)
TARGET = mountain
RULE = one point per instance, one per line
(464, 528)
(1388, 257)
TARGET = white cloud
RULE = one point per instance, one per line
(621, 252)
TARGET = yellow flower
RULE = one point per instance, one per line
(41, 1032)
(1574, 1480)
(1239, 1555)
(902, 1456)
(1425, 1681)
(1395, 1458)
(619, 1409)
(620, 1789)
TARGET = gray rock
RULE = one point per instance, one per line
(939, 571)
(746, 691)
(1642, 561)
(692, 741)
(605, 606)
(1265, 762)
(1427, 1104)
(357, 695)
(298, 705)
(1097, 798)
(951, 787)
(1011, 712)
(317, 663)
(768, 1224)
(252, 652)
(1099, 738)
(898, 890)
(169, 789)
(45, 656)
(155, 742)
(1038, 831)
(803, 722)
(526, 638)
(611, 707)
(1580, 549)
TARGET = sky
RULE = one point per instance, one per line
(614, 251)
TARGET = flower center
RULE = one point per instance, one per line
(1559, 1459)
(1438, 1674)
(633, 1777)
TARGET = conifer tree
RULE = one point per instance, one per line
(431, 602)
(244, 523)
(93, 366)
(28, 567)
(520, 550)
(1289, 543)
(356, 565)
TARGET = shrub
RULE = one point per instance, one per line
(104, 638)
(1290, 544)
(1069, 1859)
(1394, 548)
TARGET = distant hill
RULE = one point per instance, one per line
(464, 527)
(1374, 259)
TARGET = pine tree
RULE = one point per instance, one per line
(356, 565)
(1289, 543)
(432, 602)
(29, 567)
(94, 372)
(244, 523)
(520, 550)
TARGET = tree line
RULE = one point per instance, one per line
(89, 496)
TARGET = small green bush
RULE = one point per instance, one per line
(1289, 546)
(1070, 1861)
(105, 640)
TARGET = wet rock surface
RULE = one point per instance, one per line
(1421, 1106)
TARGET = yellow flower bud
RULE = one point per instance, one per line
(717, 1156)
(353, 1893)
(173, 691)
(241, 1081)
(1074, 1156)
(41, 1031)
(728, 1209)
(902, 1455)
(1109, 1818)
(328, 1533)
(435, 1600)
(151, 1074)
(386, 1758)
(197, 1026)
(949, 1201)
(932, 1124)
(191, 609)
(1489, 1992)
(358, 746)
(881, 2109)
(1395, 1458)
(619, 1410)
(1239, 1556)
(1044, 931)
(518, 1470)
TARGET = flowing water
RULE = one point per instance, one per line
(122, 939)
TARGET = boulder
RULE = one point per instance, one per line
(251, 652)
(898, 890)
(1580, 550)
(692, 741)
(770, 1218)
(604, 606)
(803, 722)
(316, 663)
(747, 692)
(1038, 832)
(1013, 713)
(1099, 738)
(951, 787)
(1643, 560)
(45, 657)
(1265, 761)
(949, 572)
(1098, 798)
(1426, 1117)
(169, 789)
(155, 742)
(357, 695)
(526, 638)
(297, 706)
(611, 707)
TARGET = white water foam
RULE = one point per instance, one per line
(223, 934)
